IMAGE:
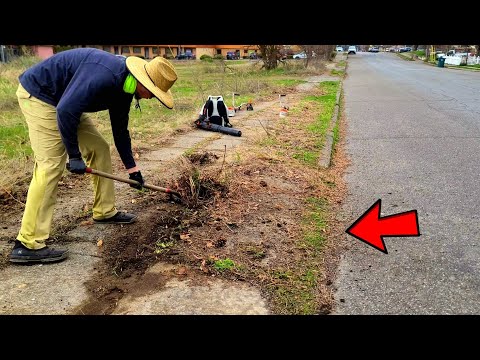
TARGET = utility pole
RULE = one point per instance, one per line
(2, 53)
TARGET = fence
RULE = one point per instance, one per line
(473, 60)
(462, 60)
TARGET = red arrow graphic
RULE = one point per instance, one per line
(371, 229)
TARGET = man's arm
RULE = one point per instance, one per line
(119, 121)
(121, 136)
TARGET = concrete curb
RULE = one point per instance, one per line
(326, 155)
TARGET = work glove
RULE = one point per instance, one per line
(76, 166)
(137, 176)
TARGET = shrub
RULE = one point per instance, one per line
(206, 57)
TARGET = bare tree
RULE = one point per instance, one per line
(318, 52)
(428, 49)
(324, 52)
(270, 55)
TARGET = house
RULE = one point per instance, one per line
(9, 51)
(171, 51)
(43, 51)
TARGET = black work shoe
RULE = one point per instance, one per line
(120, 217)
(22, 254)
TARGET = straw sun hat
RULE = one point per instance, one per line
(157, 75)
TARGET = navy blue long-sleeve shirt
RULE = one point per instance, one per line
(80, 81)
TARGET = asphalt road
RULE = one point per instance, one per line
(413, 139)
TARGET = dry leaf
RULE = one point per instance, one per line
(185, 236)
(203, 266)
(99, 242)
(182, 271)
(21, 286)
(86, 222)
(137, 156)
(134, 201)
(210, 244)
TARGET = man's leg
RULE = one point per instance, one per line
(96, 152)
(50, 157)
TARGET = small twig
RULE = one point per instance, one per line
(264, 128)
(13, 197)
(223, 163)
(228, 227)
(148, 247)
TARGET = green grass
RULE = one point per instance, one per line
(9, 73)
(419, 53)
(268, 141)
(289, 82)
(306, 156)
(336, 72)
(406, 56)
(295, 292)
(465, 67)
(318, 128)
(309, 149)
(256, 252)
(314, 223)
(224, 264)
(336, 128)
(14, 141)
(163, 246)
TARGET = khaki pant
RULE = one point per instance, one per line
(50, 158)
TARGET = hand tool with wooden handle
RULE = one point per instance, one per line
(133, 182)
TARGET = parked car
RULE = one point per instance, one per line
(187, 55)
(339, 49)
(352, 49)
(373, 49)
(301, 55)
(231, 55)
